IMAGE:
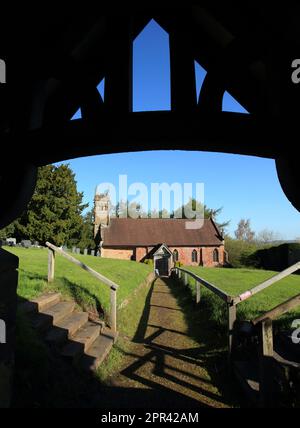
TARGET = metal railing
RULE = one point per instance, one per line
(112, 285)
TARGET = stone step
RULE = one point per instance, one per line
(53, 315)
(96, 354)
(41, 303)
(66, 328)
(82, 340)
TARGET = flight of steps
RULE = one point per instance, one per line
(69, 331)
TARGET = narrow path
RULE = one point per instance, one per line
(166, 368)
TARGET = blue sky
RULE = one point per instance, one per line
(246, 187)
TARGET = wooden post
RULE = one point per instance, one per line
(113, 309)
(267, 337)
(185, 279)
(231, 321)
(51, 265)
(266, 364)
(198, 292)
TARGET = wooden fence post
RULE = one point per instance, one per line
(185, 278)
(113, 309)
(231, 321)
(266, 365)
(51, 265)
(198, 292)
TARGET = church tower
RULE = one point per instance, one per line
(101, 212)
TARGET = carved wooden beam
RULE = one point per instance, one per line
(113, 133)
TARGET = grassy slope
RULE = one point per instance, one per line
(235, 281)
(35, 385)
(73, 281)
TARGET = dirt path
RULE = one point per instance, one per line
(166, 368)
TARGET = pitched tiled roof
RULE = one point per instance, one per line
(151, 231)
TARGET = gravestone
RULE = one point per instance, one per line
(78, 250)
(26, 243)
(92, 252)
(73, 249)
(11, 241)
(85, 251)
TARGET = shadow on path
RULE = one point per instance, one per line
(168, 364)
(171, 362)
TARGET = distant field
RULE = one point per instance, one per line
(235, 281)
(73, 281)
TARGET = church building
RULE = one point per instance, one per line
(144, 238)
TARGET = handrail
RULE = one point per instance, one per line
(231, 309)
(279, 310)
(249, 293)
(232, 302)
(112, 285)
(226, 297)
(97, 275)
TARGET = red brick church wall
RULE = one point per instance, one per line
(141, 252)
(205, 254)
(118, 253)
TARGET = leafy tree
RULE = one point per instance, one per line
(193, 204)
(135, 210)
(160, 214)
(240, 251)
(54, 212)
(8, 231)
(244, 232)
(266, 236)
(128, 209)
(87, 232)
(122, 209)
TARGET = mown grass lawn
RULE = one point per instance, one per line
(236, 281)
(73, 281)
